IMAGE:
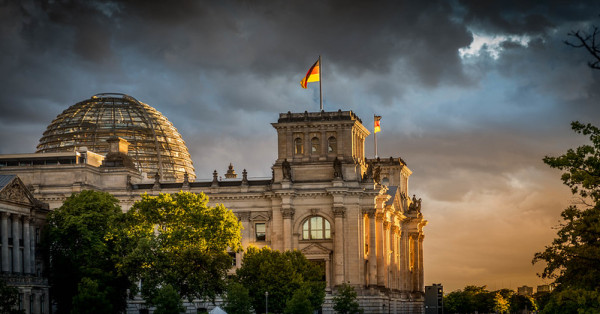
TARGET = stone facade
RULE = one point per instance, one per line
(350, 214)
(21, 219)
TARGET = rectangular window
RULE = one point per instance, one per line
(316, 228)
(233, 259)
(261, 231)
(305, 231)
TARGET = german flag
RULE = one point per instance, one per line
(313, 75)
(376, 126)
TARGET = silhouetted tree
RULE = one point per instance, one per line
(587, 40)
(573, 258)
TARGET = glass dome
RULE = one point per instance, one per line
(155, 144)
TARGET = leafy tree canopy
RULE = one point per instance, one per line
(573, 258)
(167, 301)
(573, 301)
(237, 299)
(345, 302)
(281, 274)
(178, 240)
(81, 256)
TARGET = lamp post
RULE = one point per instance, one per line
(267, 302)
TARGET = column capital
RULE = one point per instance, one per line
(13, 216)
(339, 211)
(386, 225)
(369, 212)
(379, 216)
(396, 229)
(4, 215)
(287, 213)
(243, 216)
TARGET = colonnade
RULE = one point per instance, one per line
(394, 255)
(17, 236)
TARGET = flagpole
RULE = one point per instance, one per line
(321, 82)
(375, 135)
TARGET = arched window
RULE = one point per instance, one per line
(298, 147)
(316, 228)
(314, 145)
(331, 145)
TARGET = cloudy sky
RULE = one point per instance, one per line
(473, 95)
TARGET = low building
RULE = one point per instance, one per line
(544, 288)
(22, 217)
(434, 299)
(525, 290)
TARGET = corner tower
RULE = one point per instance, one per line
(311, 141)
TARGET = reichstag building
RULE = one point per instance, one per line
(350, 214)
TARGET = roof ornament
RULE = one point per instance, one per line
(230, 172)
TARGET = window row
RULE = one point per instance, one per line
(314, 228)
(315, 145)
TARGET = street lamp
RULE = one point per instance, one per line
(267, 302)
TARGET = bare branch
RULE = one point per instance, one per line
(587, 41)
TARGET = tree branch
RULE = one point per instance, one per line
(587, 41)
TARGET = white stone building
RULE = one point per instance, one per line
(21, 219)
(350, 214)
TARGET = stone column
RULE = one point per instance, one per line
(394, 264)
(386, 253)
(32, 247)
(372, 248)
(288, 214)
(4, 235)
(421, 268)
(380, 250)
(403, 261)
(26, 246)
(338, 257)
(414, 240)
(36, 303)
(16, 248)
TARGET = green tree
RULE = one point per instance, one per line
(457, 302)
(82, 258)
(522, 304)
(9, 296)
(578, 301)
(167, 301)
(237, 299)
(178, 240)
(91, 298)
(501, 304)
(300, 302)
(345, 302)
(573, 258)
(281, 274)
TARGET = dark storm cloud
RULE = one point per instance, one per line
(473, 129)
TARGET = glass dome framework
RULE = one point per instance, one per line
(155, 144)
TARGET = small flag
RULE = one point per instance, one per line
(377, 127)
(313, 75)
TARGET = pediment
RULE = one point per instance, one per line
(260, 217)
(16, 192)
(315, 249)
